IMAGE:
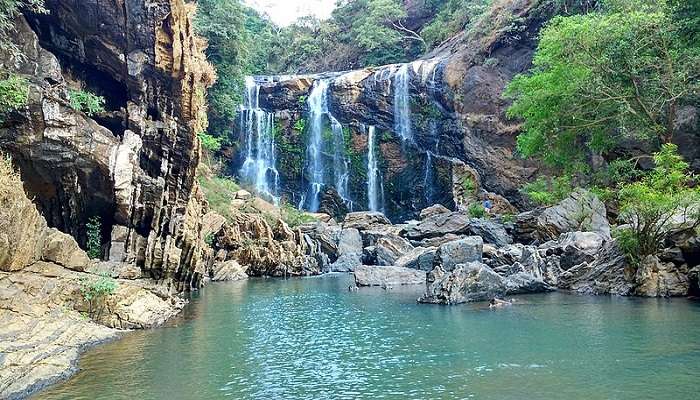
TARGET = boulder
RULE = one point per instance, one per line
(438, 241)
(349, 241)
(523, 283)
(229, 270)
(574, 248)
(422, 258)
(581, 211)
(388, 276)
(347, 262)
(694, 282)
(492, 232)
(364, 220)
(119, 270)
(460, 251)
(504, 256)
(212, 223)
(438, 225)
(608, 273)
(435, 209)
(243, 195)
(466, 283)
(62, 249)
(657, 279)
(390, 248)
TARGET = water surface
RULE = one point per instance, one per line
(312, 339)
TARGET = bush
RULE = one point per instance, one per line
(94, 237)
(95, 291)
(661, 203)
(86, 102)
(14, 94)
(219, 192)
(476, 210)
(468, 184)
(210, 143)
(294, 217)
(547, 192)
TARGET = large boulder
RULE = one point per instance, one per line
(523, 283)
(347, 262)
(229, 270)
(574, 248)
(466, 283)
(581, 211)
(608, 273)
(422, 258)
(364, 220)
(349, 241)
(435, 209)
(460, 251)
(492, 232)
(438, 225)
(390, 248)
(62, 249)
(388, 276)
(658, 279)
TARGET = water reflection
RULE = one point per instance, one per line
(312, 339)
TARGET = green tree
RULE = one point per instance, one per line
(604, 76)
(14, 94)
(95, 292)
(659, 204)
(94, 237)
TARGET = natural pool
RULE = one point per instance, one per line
(313, 339)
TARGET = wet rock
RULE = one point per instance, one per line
(365, 220)
(523, 283)
(460, 251)
(347, 262)
(422, 258)
(694, 282)
(435, 209)
(466, 283)
(658, 279)
(229, 270)
(388, 276)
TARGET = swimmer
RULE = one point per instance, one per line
(352, 288)
(498, 303)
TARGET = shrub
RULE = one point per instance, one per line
(294, 217)
(468, 184)
(210, 143)
(95, 291)
(84, 101)
(548, 192)
(219, 192)
(476, 210)
(659, 204)
(94, 237)
(14, 94)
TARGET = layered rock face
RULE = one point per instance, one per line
(133, 165)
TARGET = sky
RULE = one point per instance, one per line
(284, 12)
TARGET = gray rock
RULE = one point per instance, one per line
(608, 273)
(657, 279)
(492, 232)
(422, 258)
(503, 256)
(523, 283)
(347, 262)
(387, 276)
(460, 251)
(435, 209)
(390, 248)
(537, 263)
(365, 220)
(349, 241)
(575, 248)
(229, 270)
(438, 241)
(438, 225)
(466, 283)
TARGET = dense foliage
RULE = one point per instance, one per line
(14, 93)
(87, 102)
(9, 9)
(94, 237)
(95, 291)
(598, 79)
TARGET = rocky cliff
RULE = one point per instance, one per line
(133, 165)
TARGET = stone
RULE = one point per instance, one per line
(468, 282)
(212, 223)
(438, 225)
(581, 211)
(386, 276)
(390, 248)
(461, 251)
(438, 241)
(347, 262)
(243, 195)
(504, 256)
(658, 279)
(492, 232)
(349, 241)
(694, 282)
(229, 270)
(435, 209)
(62, 249)
(608, 273)
(575, 248)
(524, 283)
(365, 220)
(422, 258)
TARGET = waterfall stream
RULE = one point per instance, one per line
(375, 185)
(402, 104)
(259, 168)
(341, 164)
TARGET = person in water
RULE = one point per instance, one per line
(498, 303)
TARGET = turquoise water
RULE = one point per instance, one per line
(313, 339)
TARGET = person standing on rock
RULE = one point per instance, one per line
(487, 206)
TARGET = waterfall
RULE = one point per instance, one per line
(341, 164)
(428, 177)
(375, 186)
(402, 105)
(259, 168)
(318, 106)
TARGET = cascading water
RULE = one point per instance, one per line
(402, 105)
(341, 164)
(375, 185)
(428, 177)
(259, 168)
(318, 106)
